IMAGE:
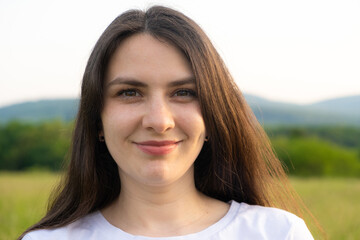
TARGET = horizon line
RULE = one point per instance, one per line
(17, 102)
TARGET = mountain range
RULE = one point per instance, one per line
(338, 111)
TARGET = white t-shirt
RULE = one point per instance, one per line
(242, 221)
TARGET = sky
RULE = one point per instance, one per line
(283, 50)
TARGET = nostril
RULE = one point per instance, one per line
(158, 117)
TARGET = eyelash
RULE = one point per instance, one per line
(121, 93)
(191, 92)
(124, 91)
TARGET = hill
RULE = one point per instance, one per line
(340, 111)
(345, 105)
(35, 111)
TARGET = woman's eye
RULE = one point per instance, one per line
(185, 93)
(128, 93)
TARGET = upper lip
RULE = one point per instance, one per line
(157, 143)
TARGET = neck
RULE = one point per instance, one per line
(158, 194)
(158, 210)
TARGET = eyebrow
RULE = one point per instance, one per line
(136, 83)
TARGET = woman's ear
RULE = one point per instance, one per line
(101, 132)
(101, 136)
(206, 136)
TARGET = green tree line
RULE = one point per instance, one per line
(305, 151)
(318, 151)
(43, 145)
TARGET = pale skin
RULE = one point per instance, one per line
(150, 95)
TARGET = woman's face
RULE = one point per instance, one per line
(151, 118)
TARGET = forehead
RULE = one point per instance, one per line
(143, 56)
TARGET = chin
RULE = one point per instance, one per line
(159, 176)
(156, 174)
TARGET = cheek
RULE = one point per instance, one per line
(118, 122)
(192, 122)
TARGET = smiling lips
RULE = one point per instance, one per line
(157, 147)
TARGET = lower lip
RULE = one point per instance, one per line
(157, 150)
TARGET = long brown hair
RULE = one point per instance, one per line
(236, 163)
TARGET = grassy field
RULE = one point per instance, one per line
(335, 202)
(23, 199)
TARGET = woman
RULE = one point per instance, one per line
(165, 146)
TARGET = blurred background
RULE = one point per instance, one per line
(297, 63)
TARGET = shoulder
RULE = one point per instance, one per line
(84, 228)
(257, 213)
(259, 222)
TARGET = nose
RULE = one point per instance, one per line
(158, 116)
